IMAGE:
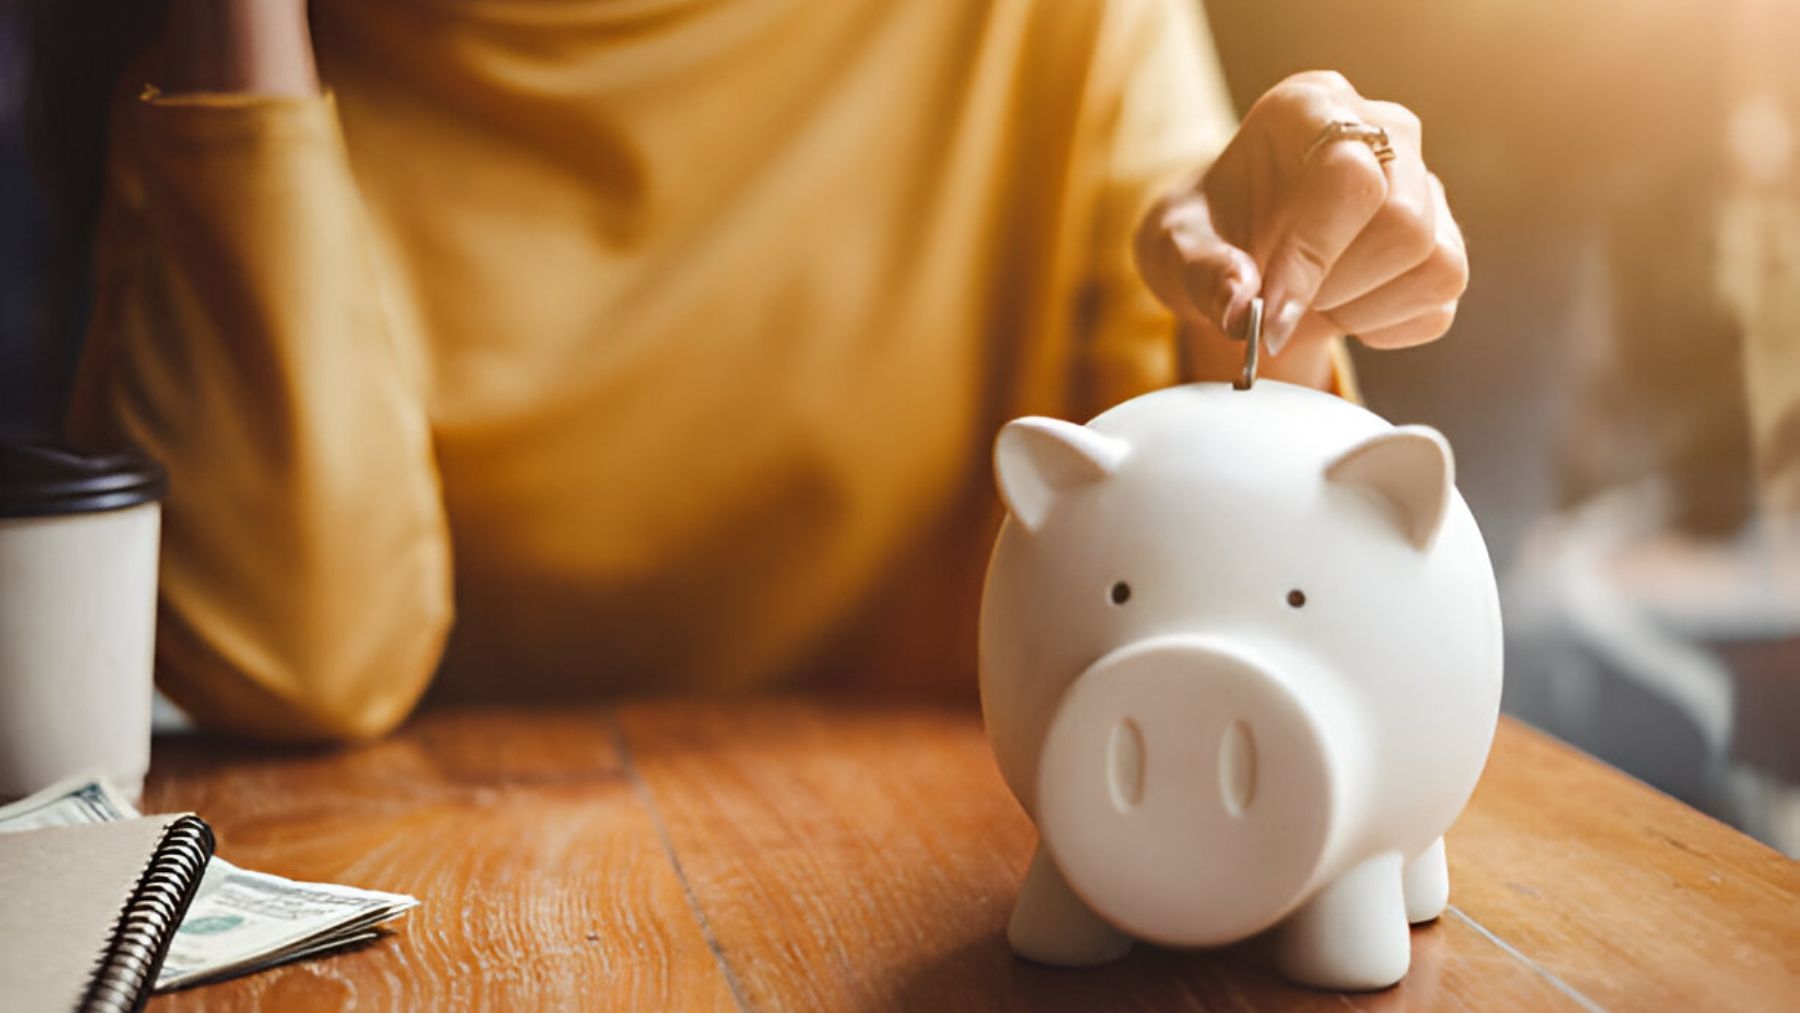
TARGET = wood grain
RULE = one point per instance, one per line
(1632, 899)
(828, 854)
(862, 858)
(544, 883)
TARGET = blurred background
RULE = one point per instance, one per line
(1623, 172)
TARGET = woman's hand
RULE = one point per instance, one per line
(1334, 240)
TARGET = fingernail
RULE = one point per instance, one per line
(1276, 336)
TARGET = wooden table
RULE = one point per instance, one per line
(806, 854)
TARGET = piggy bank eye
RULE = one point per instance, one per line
(1297, 598)
(1120, 593)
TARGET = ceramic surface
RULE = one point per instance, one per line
(1241, 663)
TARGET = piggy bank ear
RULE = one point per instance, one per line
(1037, 460)
(1411, 472)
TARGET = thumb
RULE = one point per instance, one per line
(1205, 281)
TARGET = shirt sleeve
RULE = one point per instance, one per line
(1164, 115)
(241, 336)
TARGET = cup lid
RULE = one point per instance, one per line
(44, 480)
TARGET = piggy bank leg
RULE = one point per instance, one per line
(1352, 935)
(1427, 883)
(1052, 926)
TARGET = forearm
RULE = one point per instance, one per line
(242, 336)
(252, 47)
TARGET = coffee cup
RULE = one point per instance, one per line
(78, 557)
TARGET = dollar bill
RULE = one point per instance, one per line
(69, 804)
(240, 920)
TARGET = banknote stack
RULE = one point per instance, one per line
(240, 921)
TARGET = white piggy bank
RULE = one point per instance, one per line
(1240, 662)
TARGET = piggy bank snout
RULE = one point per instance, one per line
(1188, 792)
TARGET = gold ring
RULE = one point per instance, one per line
(1350, 130)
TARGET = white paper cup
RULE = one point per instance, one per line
(78, 553)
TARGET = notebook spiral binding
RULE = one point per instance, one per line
(126, 972)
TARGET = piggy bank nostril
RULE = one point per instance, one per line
(1125, 765)
(1237, 768)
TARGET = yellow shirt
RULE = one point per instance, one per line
(660, 342)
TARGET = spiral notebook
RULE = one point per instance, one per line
(89, 911)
